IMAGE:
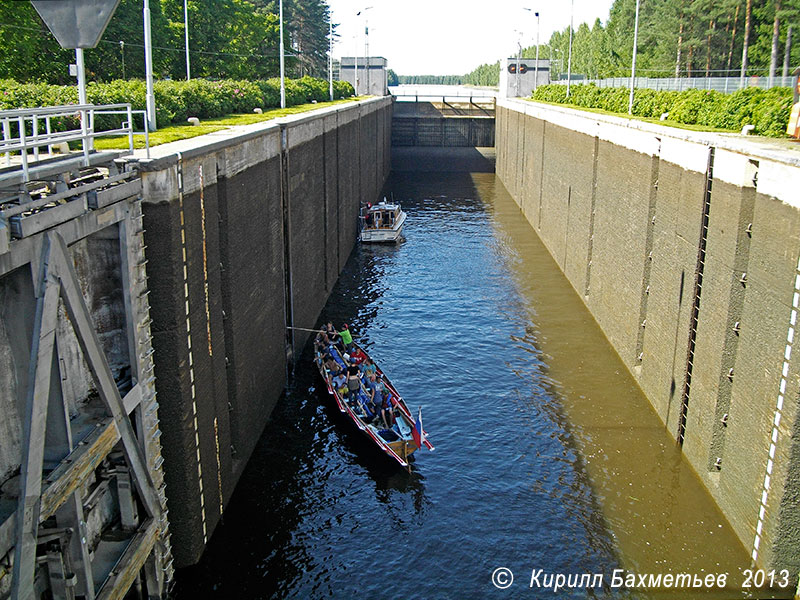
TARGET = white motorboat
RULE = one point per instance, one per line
(382, 222)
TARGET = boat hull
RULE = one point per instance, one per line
(398, 449)
(384, 235)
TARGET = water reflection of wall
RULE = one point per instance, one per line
(694, 285)
(660, 516)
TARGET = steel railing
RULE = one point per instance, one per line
(27, 130)
(678, 84)
(470, 98)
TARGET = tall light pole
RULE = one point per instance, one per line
(366, 48)
(569, 59)
(330, 58)
(280, 50)
(536, 79)
(186, 34)
(148, 69)
(633, 62)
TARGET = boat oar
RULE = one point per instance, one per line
(313, 330)
(304, 329)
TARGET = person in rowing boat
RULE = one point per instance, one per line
(387, 410)
(368, 368)
(331, 365)
(353, 383)
(357, 356)
(376, 393)
(340, 383)
(321, 341)
(330, 331)
(346, 338)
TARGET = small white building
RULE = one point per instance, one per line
(368, 76)
(519, 82)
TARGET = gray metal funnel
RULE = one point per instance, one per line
(76, 23)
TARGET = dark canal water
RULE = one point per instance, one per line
(547, 454)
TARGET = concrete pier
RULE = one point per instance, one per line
(246, 232)
(684, 246)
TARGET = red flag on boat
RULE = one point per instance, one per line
(417, 431)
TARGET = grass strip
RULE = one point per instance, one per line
(175, 133)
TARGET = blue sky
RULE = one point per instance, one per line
(451, 37)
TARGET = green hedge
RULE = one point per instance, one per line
(177, 100)
(767, 110)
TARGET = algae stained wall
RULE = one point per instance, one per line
(246, 233)
(685, 249)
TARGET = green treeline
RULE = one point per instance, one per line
(677, 38)
(227, 39)
(484, 75)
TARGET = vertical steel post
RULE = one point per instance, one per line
(280, 49)
(633, 62)
(81, 76)
(569, 58)
(330, 58)
(536, 78)
(148, 67)
(186, 36)
(366, 53)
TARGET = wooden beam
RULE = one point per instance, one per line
(131, 562)
(78, 466)
(41, 367)
(101, 373)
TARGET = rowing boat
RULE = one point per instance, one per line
(397, 442)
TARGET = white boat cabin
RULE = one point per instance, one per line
(382, 222)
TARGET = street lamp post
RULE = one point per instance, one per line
(148, 69)
(569, 59)
(330, 58)
(536, 79)
(366, 48)
(186, 36)
(633, 62)
(280, 49)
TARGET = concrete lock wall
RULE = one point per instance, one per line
(246, 233)
(696, 286)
